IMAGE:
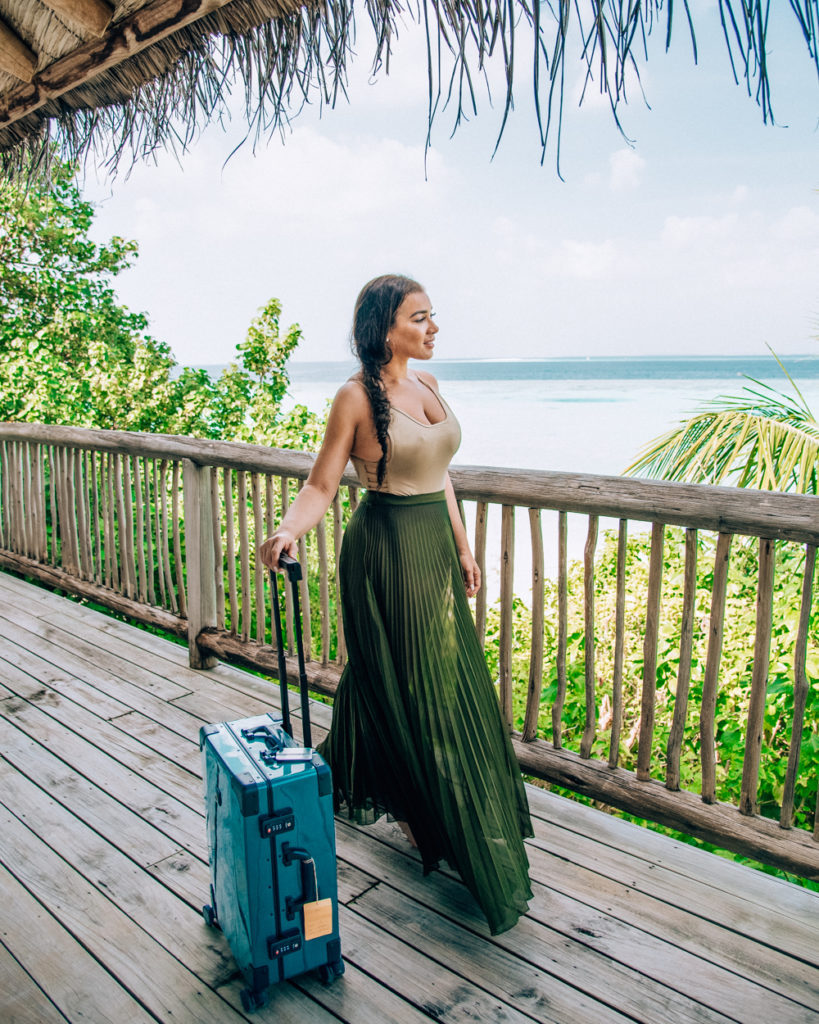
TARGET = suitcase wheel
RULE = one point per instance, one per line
(209, 916)
(251, 1000)
(329, 972)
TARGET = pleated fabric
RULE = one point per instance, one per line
(417, 731)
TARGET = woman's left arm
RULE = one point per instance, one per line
(471, 572)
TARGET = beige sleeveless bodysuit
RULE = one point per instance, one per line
(418, 454)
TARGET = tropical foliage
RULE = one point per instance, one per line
(71, 353)
(763, 438)
(735, 665)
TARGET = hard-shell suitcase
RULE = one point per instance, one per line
(271, 839)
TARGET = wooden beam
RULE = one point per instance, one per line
(59, 579)
(92, 15)
(15, 57)
(321, 678)
(718, 823)
(124, 39)
(695, 506)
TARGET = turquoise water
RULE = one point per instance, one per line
(583, 415)
(637, 368)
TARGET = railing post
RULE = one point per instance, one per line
(619, 646)
(650, 640)
(590, 727)
(199, 560)
(562, 627)
(800, 692)
(677, 731)
(710, 683)
(759, 679)
(536, 653)
(507, 580)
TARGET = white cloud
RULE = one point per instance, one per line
(751, 258)
(799, 225)
(625, 169)
(308, 221)
(150, 218)
(556, 258)
(697, 231)
(309, 184)
(588, 261)
(336, 184)
(697, 282)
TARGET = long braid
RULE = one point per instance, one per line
(374, 315)
(380, 404)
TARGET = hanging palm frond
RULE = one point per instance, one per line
(762, 438)
(282, 54)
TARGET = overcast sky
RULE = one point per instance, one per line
(703, 238)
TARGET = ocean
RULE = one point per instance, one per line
(589, 415)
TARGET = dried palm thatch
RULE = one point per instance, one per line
(120, 79)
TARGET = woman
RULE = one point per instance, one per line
(416, 731)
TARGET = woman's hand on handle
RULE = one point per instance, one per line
(272, 548)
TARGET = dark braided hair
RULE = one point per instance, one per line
(374, 315)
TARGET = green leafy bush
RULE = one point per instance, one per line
(735, 667)
(70, 353)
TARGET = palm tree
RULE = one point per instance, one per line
(762, 438)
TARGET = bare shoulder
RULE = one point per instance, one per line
(351, 401)
(351, 394)
(428, 379)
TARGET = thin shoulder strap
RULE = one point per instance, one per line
(439, 396)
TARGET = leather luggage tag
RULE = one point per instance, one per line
(318, 919)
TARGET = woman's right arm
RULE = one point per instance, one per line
(346, 413)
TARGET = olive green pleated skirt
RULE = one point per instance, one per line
(417, 732)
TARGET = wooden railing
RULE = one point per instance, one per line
(166, 529)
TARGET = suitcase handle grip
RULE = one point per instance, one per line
(291, 566)
(308, 881)
(309, 888)
(264, 731)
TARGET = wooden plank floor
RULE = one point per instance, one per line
(103, 873)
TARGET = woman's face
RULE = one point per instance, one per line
(412, 335)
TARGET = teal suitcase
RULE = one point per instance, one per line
(271, 841)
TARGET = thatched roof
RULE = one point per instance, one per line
(145, 74)
(123, 77)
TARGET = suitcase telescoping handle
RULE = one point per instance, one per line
(293, 570)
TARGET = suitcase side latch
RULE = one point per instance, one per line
(277, 824)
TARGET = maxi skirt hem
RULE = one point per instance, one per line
(417, 733)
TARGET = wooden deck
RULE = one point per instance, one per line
(104, 872)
